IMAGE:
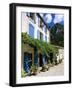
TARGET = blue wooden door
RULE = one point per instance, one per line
(26, 63)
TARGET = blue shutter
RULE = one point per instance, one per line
(26, 64)
(31, 30)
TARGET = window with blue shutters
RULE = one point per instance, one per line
(39, 35)
(31, 30)
(45, 30)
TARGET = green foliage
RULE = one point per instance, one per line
(57, 34)
(45, 47)
(45, 68)
(34, 69)
(23, 73)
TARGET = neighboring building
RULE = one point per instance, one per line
(34, 25)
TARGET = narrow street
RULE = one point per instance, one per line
(53, 71)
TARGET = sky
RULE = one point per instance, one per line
(52, 19)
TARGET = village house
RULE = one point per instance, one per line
(34, 25)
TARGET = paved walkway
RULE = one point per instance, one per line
(53, 71)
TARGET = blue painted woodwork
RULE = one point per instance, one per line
(31, 30)
(26, 64)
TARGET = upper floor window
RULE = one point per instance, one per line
(41, 36)
(40, 23)
(45, 30)
(31, 30)
(28, 14)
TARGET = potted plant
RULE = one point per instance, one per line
(45, 68)
(23, 73)
(34, 70)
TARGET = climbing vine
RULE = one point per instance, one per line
(45, 47)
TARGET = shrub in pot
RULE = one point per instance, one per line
(34, 70)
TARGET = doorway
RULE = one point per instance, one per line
(51, 57)
(27, 61)
(40, 60)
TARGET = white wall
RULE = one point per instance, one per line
(25, 23)
(4, 45)
(25, 26)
